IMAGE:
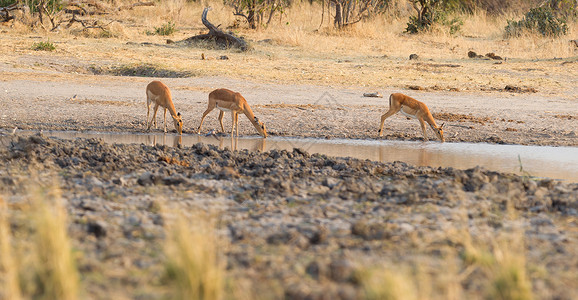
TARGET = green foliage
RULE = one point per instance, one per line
(541, 19)
(165, 29)
(4, 3)
(51, 6)
(43, 46)
(430, 12)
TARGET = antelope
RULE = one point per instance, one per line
(412, 108)
(159, 94)
(227, 100)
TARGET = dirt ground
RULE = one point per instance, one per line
(53, 100)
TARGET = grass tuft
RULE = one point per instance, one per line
(55, 272)
(43, 46)
(165, 29)
(9, 282)
(194, 267)
(382, 284)
(508, 275)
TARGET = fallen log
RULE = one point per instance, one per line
(226, 40)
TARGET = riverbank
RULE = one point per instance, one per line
(297, 225)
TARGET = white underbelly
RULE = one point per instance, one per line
(223, 109)
(408, 115)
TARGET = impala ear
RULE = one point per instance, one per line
(179, 114)
(442, 126)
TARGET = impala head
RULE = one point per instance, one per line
(260, 126)
(178, 123)
(440, 132)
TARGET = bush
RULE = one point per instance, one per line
(43, 46)
(430, 12)
(166, 29)
(415, 25)
(541, 19)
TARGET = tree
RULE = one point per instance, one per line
(349, 12)
(257, 11)
(427, 11)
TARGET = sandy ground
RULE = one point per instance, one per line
(54, 100)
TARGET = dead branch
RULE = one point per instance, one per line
(225, 39)
(6, 11)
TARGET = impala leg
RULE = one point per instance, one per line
(203, 118)
(237, 123)
(148, 114)
(221, 115)
(155, 116)
(423, 129)
(386, 115)
(233, 123)
(165, 120)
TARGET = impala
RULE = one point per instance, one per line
(227, 100)
(159, 94)
(413, 109)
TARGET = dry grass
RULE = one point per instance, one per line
(384, 284)
(194, 264)
(54, 267)
(9, 281)
(503, 262)
(373, 53)
(40, 265)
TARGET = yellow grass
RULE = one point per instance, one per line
(509, 280)
(54, 266)
(380, 283)
(373, 53)
(195, 268)
(502, 260)
(9, 282)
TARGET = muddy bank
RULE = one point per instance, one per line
(297, 225)
(108, 104)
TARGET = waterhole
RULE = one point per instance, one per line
(538, 161)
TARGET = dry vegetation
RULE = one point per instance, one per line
(295, 49)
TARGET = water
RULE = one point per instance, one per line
(551, 162)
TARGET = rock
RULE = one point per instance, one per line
(316, 270)
(291, 237)
(472, 54)
(97, 228)
(413, 57)
(341, 270)
(148, 178)
(319, 236)
(373, 95)
(493, 56)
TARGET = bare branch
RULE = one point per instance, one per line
(218, 35)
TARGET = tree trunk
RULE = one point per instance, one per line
(224, 39)
(338, 18)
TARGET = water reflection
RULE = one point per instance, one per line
(229, 142)
(552, 162)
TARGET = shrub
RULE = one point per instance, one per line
(43, 46)
(430, 12)
(166, 29)
(541, 19)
